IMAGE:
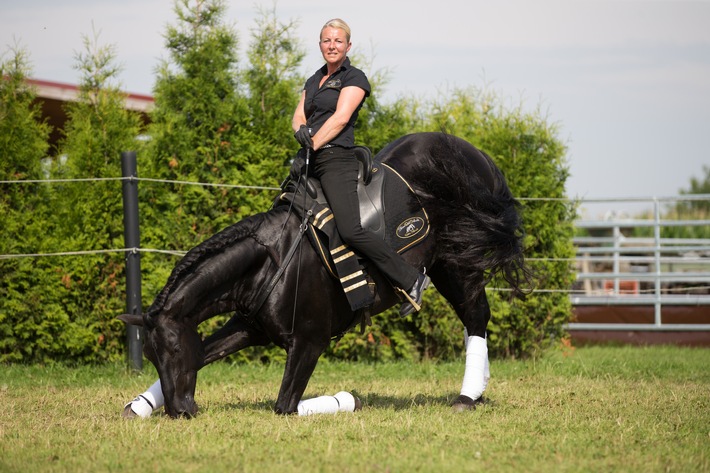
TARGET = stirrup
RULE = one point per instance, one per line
(417, 307)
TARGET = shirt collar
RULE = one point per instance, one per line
(343, 66)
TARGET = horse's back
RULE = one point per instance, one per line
(432, 151)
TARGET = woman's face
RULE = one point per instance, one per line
(334, 45)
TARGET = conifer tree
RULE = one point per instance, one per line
(90, 215)
(23, 145)
(195, 133)
(273, 88)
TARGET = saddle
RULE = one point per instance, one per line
(388, 207)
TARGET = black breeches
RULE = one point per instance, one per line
(337, 170)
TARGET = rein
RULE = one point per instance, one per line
(294, 246)
(275, 279)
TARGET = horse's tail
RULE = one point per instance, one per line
(474, 214)
(244, 228)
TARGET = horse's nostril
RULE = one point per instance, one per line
(189, 412)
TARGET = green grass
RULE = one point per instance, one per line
(593, 409)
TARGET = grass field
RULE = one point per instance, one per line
(590, 409)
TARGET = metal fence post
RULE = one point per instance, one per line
(131, 236)
(657, 262)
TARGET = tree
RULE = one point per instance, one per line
(381, 123)
(195, 135)
(90, 215)
(271, 86)
(64, 309)
(531, 157)
(216, 123)
(697, 208)
(23, 144)
(525, 146)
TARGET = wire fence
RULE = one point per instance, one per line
(612, 268)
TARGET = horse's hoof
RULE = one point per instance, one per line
(465, 403)
(462, 407)
(358, 404)
(128, 412)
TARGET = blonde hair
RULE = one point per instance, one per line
(337, 23)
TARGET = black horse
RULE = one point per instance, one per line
(476, 232)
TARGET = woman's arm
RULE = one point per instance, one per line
(299, 116)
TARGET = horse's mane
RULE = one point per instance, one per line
(477, 222)
(215, 244)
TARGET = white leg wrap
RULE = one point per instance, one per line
(477, 374)
(341, 402)
(144, 404)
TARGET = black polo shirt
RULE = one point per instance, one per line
(321, 102)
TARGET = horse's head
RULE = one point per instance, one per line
(175, 348)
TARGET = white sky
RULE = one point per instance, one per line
(628, 82)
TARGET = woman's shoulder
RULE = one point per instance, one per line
(357, 77)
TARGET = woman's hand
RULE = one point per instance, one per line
(303, 136)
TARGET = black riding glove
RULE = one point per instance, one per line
(297, 167)
(303, 136)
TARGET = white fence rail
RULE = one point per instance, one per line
(617, 268)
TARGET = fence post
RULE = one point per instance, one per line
(131, 236)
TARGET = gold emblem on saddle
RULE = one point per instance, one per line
(410, 227)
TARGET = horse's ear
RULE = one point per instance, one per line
(131, 319)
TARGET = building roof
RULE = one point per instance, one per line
(53, 96)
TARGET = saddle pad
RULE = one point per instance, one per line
(406, 221)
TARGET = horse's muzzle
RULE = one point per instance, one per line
(187, 409)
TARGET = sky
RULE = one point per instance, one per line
(627, 83)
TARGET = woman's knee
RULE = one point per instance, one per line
(351, 234)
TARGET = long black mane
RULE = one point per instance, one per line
(475, 217)
(246, 228)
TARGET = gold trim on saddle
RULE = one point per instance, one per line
(351, 276)
(354, 286)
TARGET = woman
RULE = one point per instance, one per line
(324, 121)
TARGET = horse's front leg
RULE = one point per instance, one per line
(233, 336)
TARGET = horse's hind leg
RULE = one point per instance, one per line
(233, 336)
(475, 317)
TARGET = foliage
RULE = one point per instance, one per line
(194, 133)
(216, 123)
(25, 218)
(65, 309)
(695, 207)
(381, 123)
(528, 151)
(691, 209)
(526, 147)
